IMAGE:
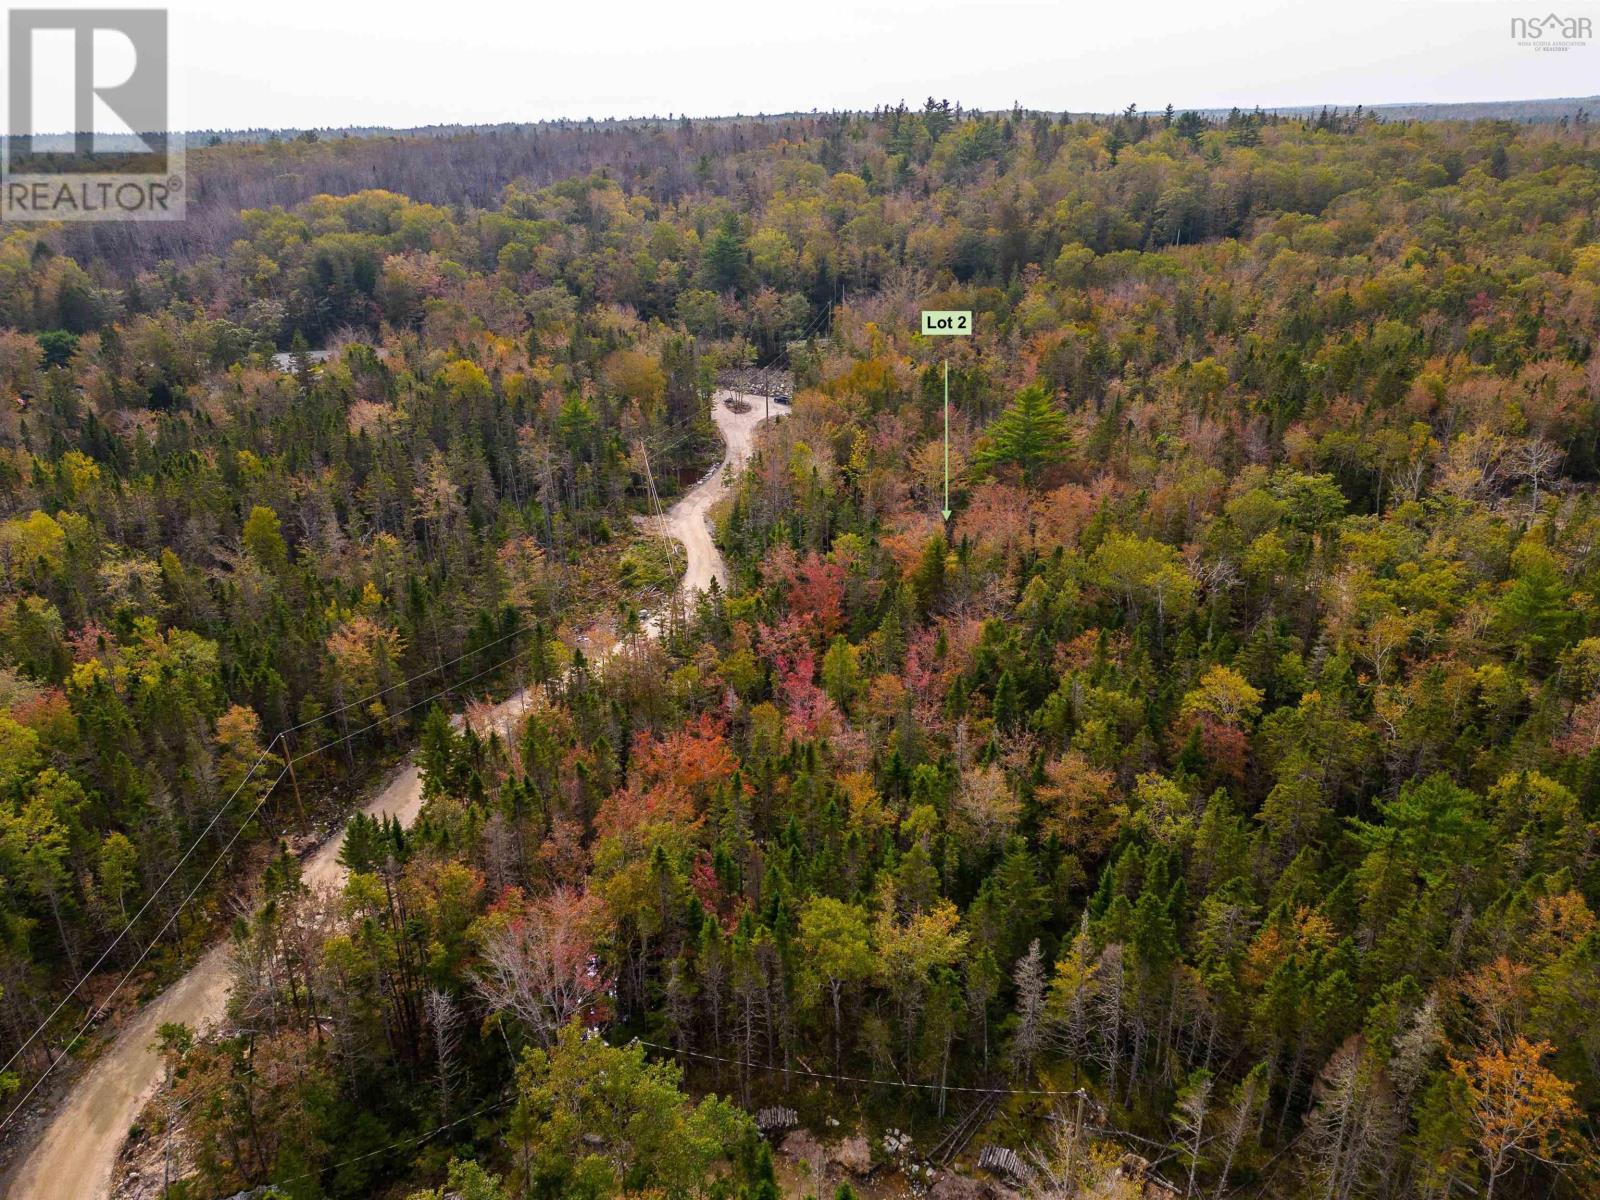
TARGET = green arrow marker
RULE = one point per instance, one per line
(947, 439)
(946, 323)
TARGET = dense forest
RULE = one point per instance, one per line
(1216, 791)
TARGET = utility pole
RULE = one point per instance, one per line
(288, 758)
(650, 483)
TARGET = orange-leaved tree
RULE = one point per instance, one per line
(1517, 1108)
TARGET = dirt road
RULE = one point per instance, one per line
(74, 1158)
(689, 519)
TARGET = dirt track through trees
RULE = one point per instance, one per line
(74, 1157)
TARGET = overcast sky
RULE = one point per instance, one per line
(298, 63)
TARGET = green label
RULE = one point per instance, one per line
(945, 324)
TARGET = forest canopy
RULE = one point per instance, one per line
(1231, 753)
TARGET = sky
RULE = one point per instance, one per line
(331, 63)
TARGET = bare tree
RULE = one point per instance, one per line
(1072, 1164)
(1030, 982)
(540, 964)
(1536, 459)
(1248, 1098)
(1414, 1046)
(1109, 996)
(1412, 476)
(1351, 1123)
(444, 1020)
(1189, 1121)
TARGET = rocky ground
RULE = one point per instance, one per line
(146, 1163)
(811, 1166)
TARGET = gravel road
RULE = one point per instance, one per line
(74, 1157)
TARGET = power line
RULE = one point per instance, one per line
(897, 1083)
(689, 434)
(418, 1138)
(128, 974)
(333, 712)
(143, 954)
(261, 757)
(227, 804)
(143, 908)
(386, 718)
(812, 327)
(1078, 1093)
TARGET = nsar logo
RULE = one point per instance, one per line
(1552, 32)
